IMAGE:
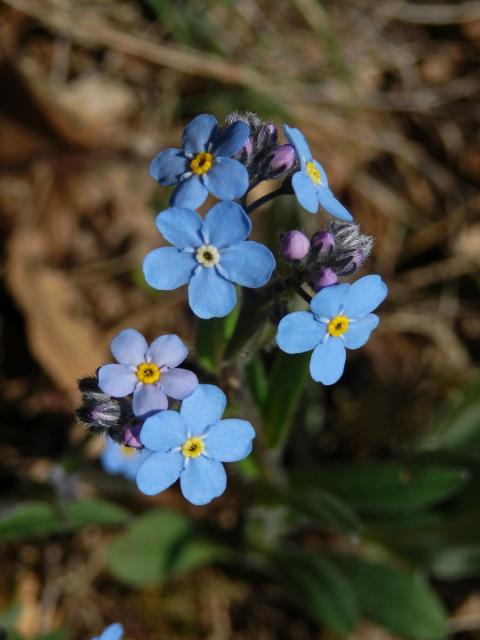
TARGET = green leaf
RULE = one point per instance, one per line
(385, 486)
(459, 428)
(457, 563)
(82, 513)
(286, 383)
(213, 337)
(30, 519)
(326, 510)
(156, 546)
(256, 379)
(60, 634)
(399, 600)
(315, 583)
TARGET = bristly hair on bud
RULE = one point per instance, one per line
(102, 414)
(339, 250)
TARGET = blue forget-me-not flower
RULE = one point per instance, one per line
(191, 446)
(117, 459)
(210, 255)
(113, 632)
(310, 184)
(205, 163)
(340, 317)
(151, 373)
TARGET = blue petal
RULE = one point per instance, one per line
(116, 380)
(159, 471)
(328, 361)
(359, 331)
(229, 440)
(148, 398)
(249, 264)
(189, 193)
(329, 302)
(168, 268)
(231, 140)
(113, 632)
(210, 295)
(225, 224)
(203, 408)
(332, 205)
(202, 480)
(364, 296)
(129, 347)
(299, 332)
(112, 459)
(180, 226)
(305, 191)
(167, 351)
(164, 431)
(133, 462)
(296, 138)
(227, 179)
(169, 166)
(198, 133)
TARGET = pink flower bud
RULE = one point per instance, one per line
(294, 245)
(323, 242)
(323, 278)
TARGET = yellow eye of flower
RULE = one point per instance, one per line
(337, 326)
(148, 372)
(128, 452)
(208, 255)
(193, 447)
(201, 163)
(313, 173)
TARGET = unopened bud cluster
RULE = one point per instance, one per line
(263, 157)
(102, 414)
(329, 254)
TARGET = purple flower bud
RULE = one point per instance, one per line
(323, 242)
(350, 263)
(131, 436)
(323, 278)
(281, 160)
(294, 245)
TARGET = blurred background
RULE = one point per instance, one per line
(387, 94)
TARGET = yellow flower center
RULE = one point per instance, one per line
(313, 173)
(338, 326)
(207, 255)
(148, 372)
(128, 452)
(201, 163)
(193, 447)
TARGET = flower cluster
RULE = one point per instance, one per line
(213, 255)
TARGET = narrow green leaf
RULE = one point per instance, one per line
(157, 546)
(30, 519)
(326, 510)
(385, 486)
(457, 563)
(213, 337)
(315, 583)
(286, 383)
(401, 601)
(257, 381)
(82, 513)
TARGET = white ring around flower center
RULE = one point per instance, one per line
(208, 255)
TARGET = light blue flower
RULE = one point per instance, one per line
(117, 459)
(310, 184)
(205, 163)
(340, 318)
(191, 445)
(151, 373)
(210, 255)
(113, 632)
